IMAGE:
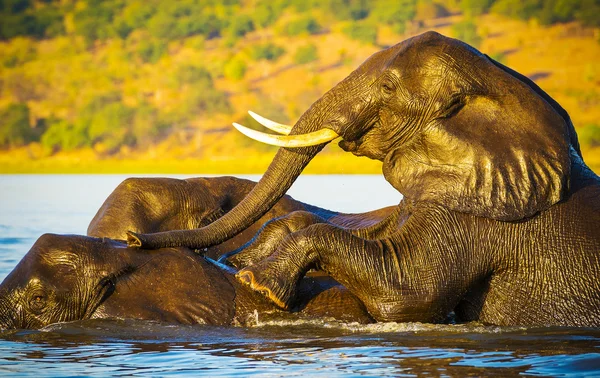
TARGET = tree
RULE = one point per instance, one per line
(348, 9)
(521, 9)
(394, 13)
(589, 135)
(62, 135)
(363, 32)
(235, 69)
(15, 130)
(466, 31)
(302, 25)
(306, 54)
(111, 125)
(267, 51)
(473, 8)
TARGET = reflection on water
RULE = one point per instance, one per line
(31, 205)
(103, 347)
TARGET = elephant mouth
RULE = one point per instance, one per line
(350, 146)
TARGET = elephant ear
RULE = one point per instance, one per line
(555, 105)
(503, 156)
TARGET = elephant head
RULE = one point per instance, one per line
(68, 277)
(450, 125)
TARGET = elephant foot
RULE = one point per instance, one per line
(269, 286)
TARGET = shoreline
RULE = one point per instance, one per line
(254, 165)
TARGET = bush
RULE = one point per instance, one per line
(394, 13)
(111, 125)
(304, 25)
(306, 54)
(240, 26)
(150, 50)
(22, 18)
(363, 32)
(589, 135)
(521, 9)
(427, 10)
(265, 13)
(466, 31)
(174, 20)
(589, 13)
(235, 69)
(95, 21)
(475, 7)
(498, 57)
(347, 9)
(15, 130)
(147, 125)
(62, 135)
(193, 75)
(267, 51)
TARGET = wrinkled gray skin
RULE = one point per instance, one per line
(500, 220)
(69, 277)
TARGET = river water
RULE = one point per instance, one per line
(31, 205)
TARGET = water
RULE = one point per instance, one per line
(31, 205)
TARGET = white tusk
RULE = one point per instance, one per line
(301, 140)
(277, 127)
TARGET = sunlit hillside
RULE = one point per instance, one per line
(140, 86)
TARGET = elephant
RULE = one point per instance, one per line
(71, 277)
(500, 216)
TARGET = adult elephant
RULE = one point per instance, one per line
(500, 219)
(69, 277)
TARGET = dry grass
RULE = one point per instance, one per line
(563, 59)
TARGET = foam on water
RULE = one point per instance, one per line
(391, 327)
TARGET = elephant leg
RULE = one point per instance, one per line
(270, 236)
(386, 275)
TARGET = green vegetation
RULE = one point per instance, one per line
(394, 13)
(235, 69)
(15, 129)
(467, 31)
(267, 51)
(363, 32)
(302, 25)
(110, 75)
(306, 54)
(550, 11)
(589, 135)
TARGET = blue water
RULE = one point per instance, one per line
(31, 205)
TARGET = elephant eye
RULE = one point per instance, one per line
(37, 303)
(455, 104)
(388, 86)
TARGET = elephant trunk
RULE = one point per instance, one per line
(281, 174)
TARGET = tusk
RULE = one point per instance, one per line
(277, 127)
(301, 140)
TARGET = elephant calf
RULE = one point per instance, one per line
(68, 277)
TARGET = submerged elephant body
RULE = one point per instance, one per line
(500, 217)
(69, 277)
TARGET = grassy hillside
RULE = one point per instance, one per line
(149, 86)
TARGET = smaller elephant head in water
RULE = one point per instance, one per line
(67, 278)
